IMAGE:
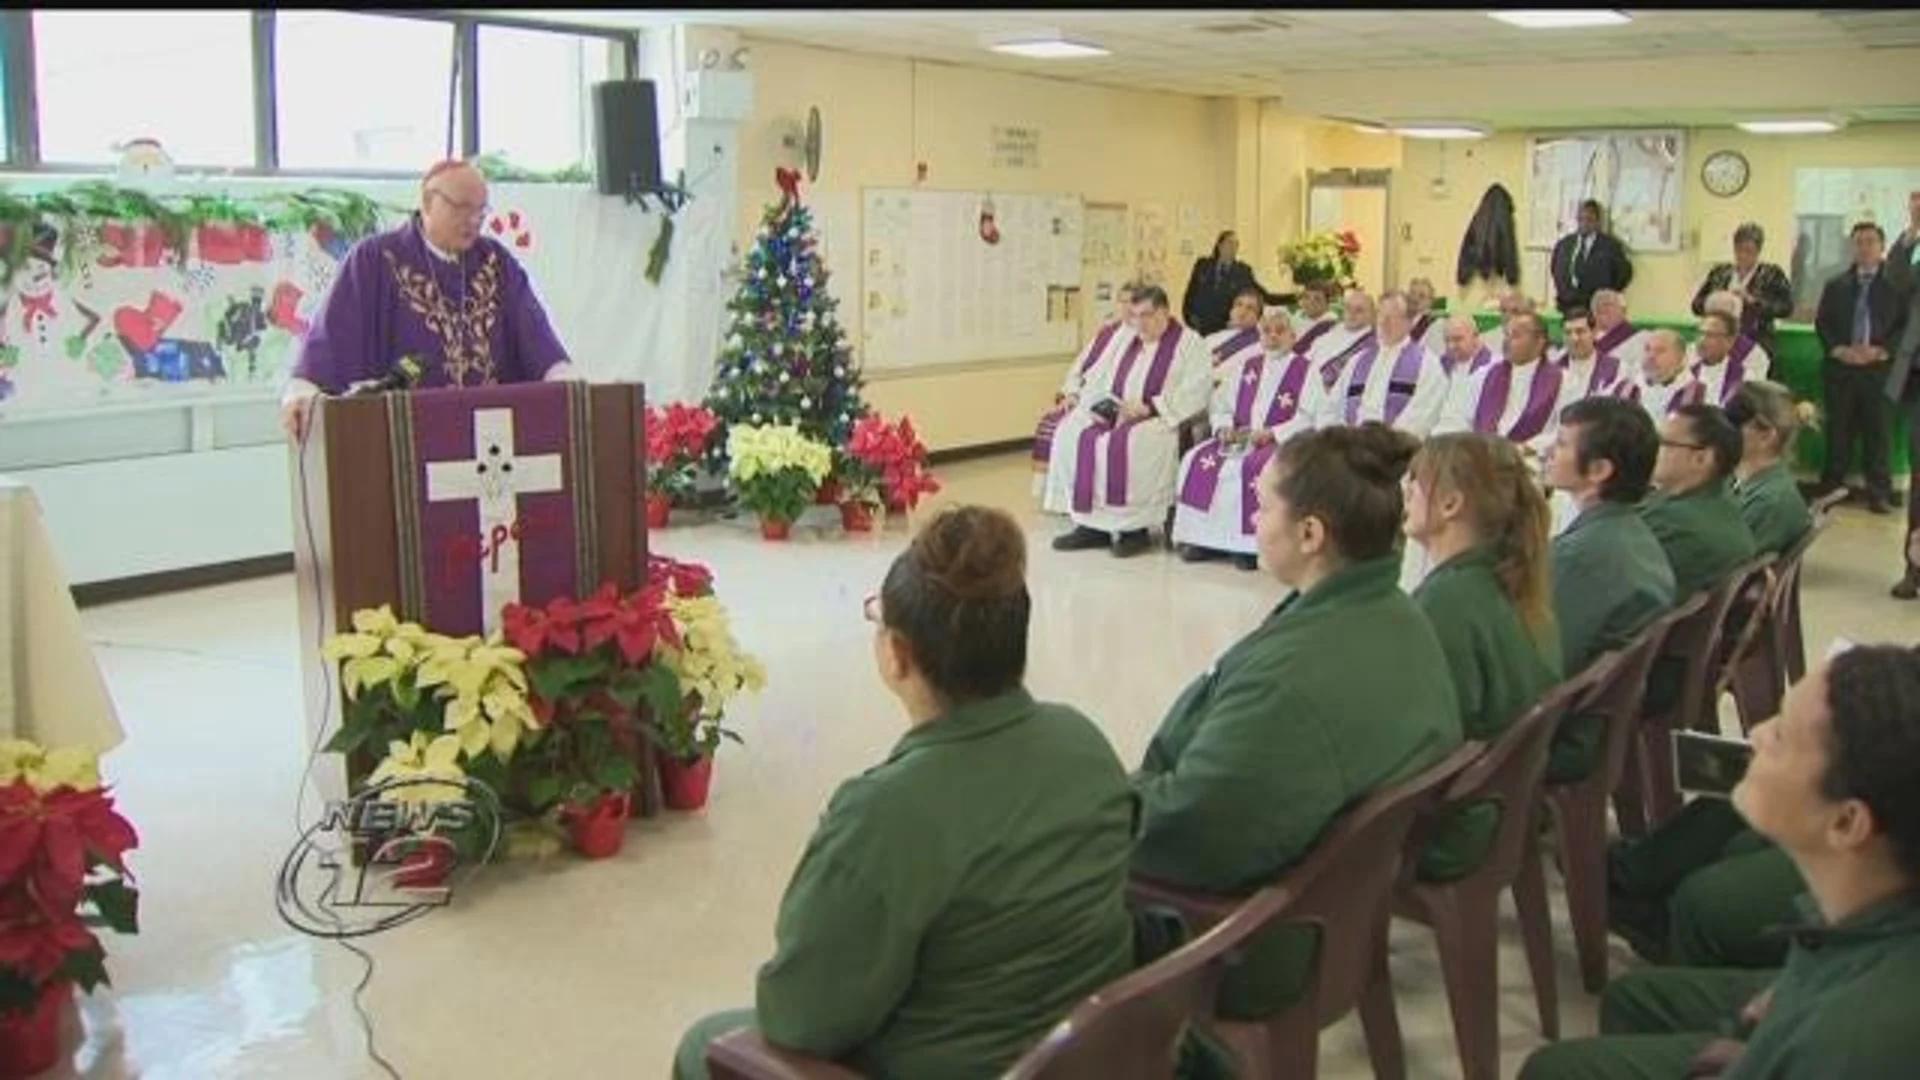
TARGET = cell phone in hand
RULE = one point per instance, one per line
(1709, 764)
(1108, 410)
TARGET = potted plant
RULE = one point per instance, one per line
(1323, 256)
(776, 471)
(62, 874)
(709, 670)
(859, 486)
(677, 438)
(894, 456)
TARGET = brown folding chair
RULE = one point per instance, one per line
(1752, 673)
(1128, 1030)
(1790, 640)
(1342, 888)
(1465, 913)
(1580, 806)
(1696, 642)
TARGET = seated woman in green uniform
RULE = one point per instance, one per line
(1475, 507)
(960, 897)
(1832, 783)
(1343, 689)
(1769, 500)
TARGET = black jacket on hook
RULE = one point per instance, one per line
(1490, 249)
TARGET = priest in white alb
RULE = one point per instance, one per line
(1332, 351)
(1429, 325)
(1394, 379)
(1517, 397)
(1719, 373)
(1269, 398)
(1511, 302)
(1315, 315)
(1241, 336)
(1590, 372)
(1462, 355)
(1118, 449)
(1096, 355)
(1747, 355)
(1666, 381)
(1613, 334)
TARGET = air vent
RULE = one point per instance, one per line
(1257, 24)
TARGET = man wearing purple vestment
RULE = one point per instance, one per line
(1716, 368)
(1240, 338)
(1096, 357)
(1114, 455)
(1315, 310)
(1429, 326)
(433, 291)
(1667, 382)
(1394, 379)
(1613, 334)
(1511, 302)
(1751, 357)
(1462, 355)
(1590, 371)
(1517, 397)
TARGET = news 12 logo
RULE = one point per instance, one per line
(387, 855)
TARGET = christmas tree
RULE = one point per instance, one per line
(785, 358)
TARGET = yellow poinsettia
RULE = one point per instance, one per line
(710, 664)
(77, 767)
(422, 758)
(757, 451)
(484, 685)
(377, 650)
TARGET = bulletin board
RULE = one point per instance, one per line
(936, 290)
(1638, 176)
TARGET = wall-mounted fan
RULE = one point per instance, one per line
(807, 144)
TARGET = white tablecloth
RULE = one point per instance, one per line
(50, 688)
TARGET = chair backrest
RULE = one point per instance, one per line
(1131, 1028)
(1788, 641)
(1759, 629)
(1618, 698)
(1697, 640)
(1510, 772)
(1345, 886)
(1823, 507)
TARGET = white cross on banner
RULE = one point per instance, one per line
(496, 477)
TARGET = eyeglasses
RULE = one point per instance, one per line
(871, 608)
(468, 210)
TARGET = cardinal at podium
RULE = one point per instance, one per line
(433, 291)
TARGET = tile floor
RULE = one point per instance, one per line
(566, 968)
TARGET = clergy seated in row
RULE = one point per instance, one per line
(1746, 356)
(1613, 335)
(1333, 350)
(1591, 371)
(1392, 379)
(1475, 507)
(1429, 324)
(1666, 382)
(1119, 447)
(435, 291)
(1719, 373)
(1511, 302)
(960, 897)
(1462, 355)
(1314, 315)
(1241, 337)
(1770, 501)
(1517, 397)
(1269, 397)
(1294, 723)
(1831, 782)
(1611, 579)
(1108, 342)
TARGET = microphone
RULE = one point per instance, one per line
(405, 375)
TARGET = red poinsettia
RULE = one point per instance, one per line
(532, 630)
(895, 454)
(48, 843)
(678, 433)
(685, 578)
(1349, 243)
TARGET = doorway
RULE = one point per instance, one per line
(1356, 199)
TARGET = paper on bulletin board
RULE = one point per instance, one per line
(1150, 252)
(1106, 261)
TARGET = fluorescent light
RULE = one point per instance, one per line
(1438, 129)
(1049, 49)
(1561, 18)
(1788, 127)
(1371, 129)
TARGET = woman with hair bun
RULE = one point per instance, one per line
(1342, 690)
(1475, 508)
(962, 896)
(1770, 501)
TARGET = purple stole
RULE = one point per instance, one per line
(1305, 341)
(1225, 350)
(1606, 370)
(1541, 397)
(1043, 435)
(1420, 327)
(1330, 372)
(1480, 359)
(1117, 445)
(1203, 479)
(1736, 365)
(1613, 338)
(1401, 381)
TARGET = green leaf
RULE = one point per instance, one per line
(86, 968)
(615, 773)
(543, 791)
(555, 677)
(118, 904)
(349, 738)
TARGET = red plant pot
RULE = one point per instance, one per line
(775, 528)
(599, 829)
(659, 510)
(856, 517)
(684, 784)
(30, 1040)
(828, 494)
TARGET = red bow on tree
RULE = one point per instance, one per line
(789, 181)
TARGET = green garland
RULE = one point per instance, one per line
(85, 205)
(496, 167)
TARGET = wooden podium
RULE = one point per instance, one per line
(449, 503)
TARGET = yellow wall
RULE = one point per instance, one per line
(1663, 283)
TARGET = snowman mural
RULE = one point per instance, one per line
(45, 333)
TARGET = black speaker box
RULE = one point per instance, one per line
(626, 129)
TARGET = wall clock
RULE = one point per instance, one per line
(1725, 173)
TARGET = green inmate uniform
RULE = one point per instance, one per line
(1771, 505)
(1843, 1008)
(955, 901)
(1342, 690)
(1705, 539)
(1499, 671)
(1610, 580)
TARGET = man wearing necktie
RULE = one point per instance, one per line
(1861, 317)
(1586, 261)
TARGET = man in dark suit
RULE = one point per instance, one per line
(1861, 317)
(1903, 384)
(1586, 260)
(1216, 280)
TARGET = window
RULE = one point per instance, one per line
(363, 91)
(535, 95)
(182, 77)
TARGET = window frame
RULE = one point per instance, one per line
(23, 113)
